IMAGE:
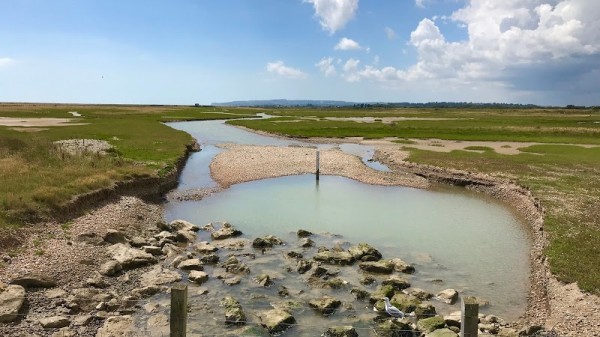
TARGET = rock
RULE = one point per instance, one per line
(234, 315)
(362, 249)
(274, 240)
(303, 233)
(96, 281)
(163, 226)
(261, 243)
(11, 301)
(227, 231)
(488, 328)
(210, 259)
(54, 322)
(83, 320)
(367, 280)
(303, 266)
(154, 250)
(232, 281)
(507, 332)
(146, 292)
(55, 293)
(130, 257)
(86, 299)
(110, 268)
(138, 241)
(89, 238)
(530, 330)
(340, 331)
(118, 326)
(394, 328)
(65, 332)
(334, 257)
(198, 277)
(208, 227)
(430, 324)
(185, 236)
(381, 292)
(276, 320)
(360, 294)
(335, 283)
(233, 265)
(191, 264)
(377, 267)
(158, 276)
(425, 310)
(453, 319)
(325, 305)
(177, 225)
(170, 249)
(113, 236)
(445, 332)
(306, 243)
(205, 247)
(35, 281)
(448, 296)
(264, 280)
(405, 302)
(397, 282)
(402, 267)
(420, 294)
(294, 255)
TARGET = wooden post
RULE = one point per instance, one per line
(178, 319)
(318, 155)
(469, 320)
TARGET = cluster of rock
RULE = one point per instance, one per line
(100, 306)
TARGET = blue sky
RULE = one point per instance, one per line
(202, 51)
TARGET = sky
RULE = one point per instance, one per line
(544, 52)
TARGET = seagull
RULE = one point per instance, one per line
(392, 310)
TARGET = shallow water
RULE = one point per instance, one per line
(469, 242)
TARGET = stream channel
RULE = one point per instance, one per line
(455, 238)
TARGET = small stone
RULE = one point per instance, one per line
(264, 280)
(154, 250)
(325, 305)
(54, 322)
(306, 243)
(198, 277)
(110, 268)
(232, 281)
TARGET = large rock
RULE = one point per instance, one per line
(363, 250)
(113, 236)
(445, 332)
(205, 247)
(397, 282)
(11, 301)
(54, 322)
(110, 268)
(227, 231)
(377, 267)
(177, 225)
(233, 265)
(35, 281)
(276, 320)
(425, 310)
(334, 257)
(406, 303)
(118, 326)
(185, 236)
(130, 257)
(394, 328)
(340, 331)
(448, 296)
(198, 277)
(325, 305)
(233, 311)
(430, 324)
(303, 266)
(190, 264)
(158, 276)
(86, 299)
(210, 259)
(381, 292)
(401, 266)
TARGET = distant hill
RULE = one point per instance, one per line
(366, 105)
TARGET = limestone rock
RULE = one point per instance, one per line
(154, 250)
(185, 236)
(360, 294)
(55, 293)
(146, 292)
(198, 277)
(405, 302)
(334, 257)
(96, 281)
(190, 264)
(35, 281)
(377, 267)
(205, 247)
(210, 259)
(87, 299)
(54, 322)
(445, 332)
(130, 257)
(303, 266)
(232, 281)
(264, 280)
(420, 294)
(325, 305)
(227, 231)
(306, 243)
(234, 314)
(276, 320)
(394, 328)
(113, 236)
(402, 267)
(11, 301)
(425, 310)
(363, 250)
(233, 265)
(110, 268)
(177, 225)
(158, 276)
(261, 243)
(118, 326)
(397, 282)
(303, 233)
(381, 292)
(448, 296)
(430, 324)
(453, 319)
(340, 331)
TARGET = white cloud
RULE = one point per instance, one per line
(420, 3)
(6, 61)
(347, 44)
(351, 70)
(390, 33)
(279, 68)
(334, 14)
(326, 66)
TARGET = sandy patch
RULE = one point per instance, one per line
(242, 163)
(28, 129)
(36, 122)
(389, 120)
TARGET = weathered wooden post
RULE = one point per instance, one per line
(318, 155)
(469, 317)
(178, 319)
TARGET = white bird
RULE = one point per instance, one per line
(392, 310)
